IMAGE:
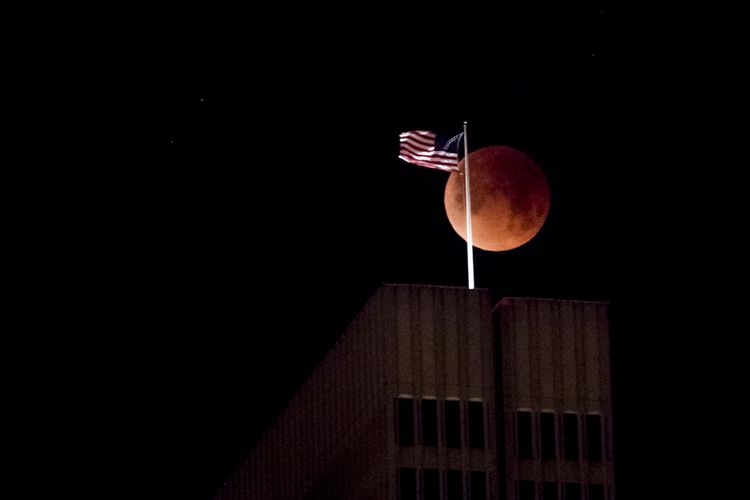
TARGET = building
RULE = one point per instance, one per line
(433, 393)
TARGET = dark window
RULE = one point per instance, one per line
(547, 430)
(455, 485)
(478, 485)
(572, 491)
(526, 490)
(405, 410)
(476, 424)
(549, 491)
(407, 484)
(594, 437)
(523, 420)
(453, 424)
(570, 436)
(430, 484)
(429, 422)
(596, 492)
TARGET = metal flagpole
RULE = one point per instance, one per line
(469, 244)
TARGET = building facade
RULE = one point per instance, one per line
(556, 415)
(431, 393)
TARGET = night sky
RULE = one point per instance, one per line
(207, 193)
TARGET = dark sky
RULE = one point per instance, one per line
(208, 193)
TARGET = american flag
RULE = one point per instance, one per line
(430, 150)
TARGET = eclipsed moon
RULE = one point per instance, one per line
(510, 198)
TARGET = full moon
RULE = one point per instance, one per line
(510, 198)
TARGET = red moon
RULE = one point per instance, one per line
(510, 198)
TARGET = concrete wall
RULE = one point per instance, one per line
(440, 346)
(555, 359)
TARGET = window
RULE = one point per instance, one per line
(570, 436)
(478, 485)
(452, 423)
(523, 422)
(429, 422)
(547, 431)
(596, 492)
(455, 485)
(407, 484)
(572, 491)
(594, 438)
(549, 491)
(526, 490)
(476, 424)
(405, 413)
(430, 484)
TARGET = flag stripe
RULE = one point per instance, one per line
(429, 164)
(445, 162)
(426, 140)
(406, 148)
(420, 148)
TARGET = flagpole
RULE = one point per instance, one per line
(469, 243)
